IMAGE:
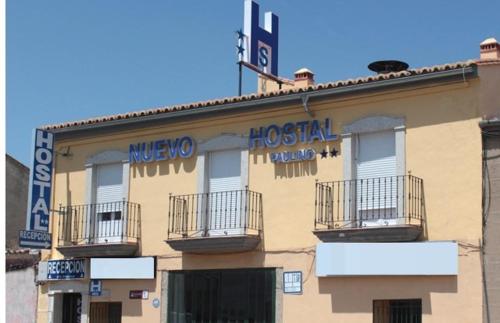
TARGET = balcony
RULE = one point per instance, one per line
(217, 222)
(99, 230)
(385, 209)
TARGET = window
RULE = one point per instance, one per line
(397, 311)
(222, 166)
(374, 165)
(107, 192)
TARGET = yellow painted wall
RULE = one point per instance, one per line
(443, 147)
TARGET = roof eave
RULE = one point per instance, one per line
(454, 75)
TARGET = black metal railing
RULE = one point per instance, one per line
(382, 201)
(114, 222)
(237, 212)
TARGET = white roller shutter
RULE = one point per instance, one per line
(376, 155)
(376, 185)
(226, 198)
(224, 171)
(109, 183)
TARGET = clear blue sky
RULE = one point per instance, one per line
(70, 60)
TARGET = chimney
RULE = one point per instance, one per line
(303, 78)
(489, 49)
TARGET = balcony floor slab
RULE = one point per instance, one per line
(218, 244)
(392, 233)
(100, 250)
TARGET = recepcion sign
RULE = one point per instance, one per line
(65, 269)
(35, 239)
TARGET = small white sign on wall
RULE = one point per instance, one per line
(292, 282)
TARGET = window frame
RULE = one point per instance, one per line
(218, 143)
(102, 158)
(367, 125)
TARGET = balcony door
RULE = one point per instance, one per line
(225, 194)
(109, 217)
(377, 184)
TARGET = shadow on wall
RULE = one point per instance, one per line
(164, 167)
(132, 307)
(253, 259)
(296, 169)
(356, 294)
(287, 170)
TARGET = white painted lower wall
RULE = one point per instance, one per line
(21, 296)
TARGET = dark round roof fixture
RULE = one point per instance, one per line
(383, 67)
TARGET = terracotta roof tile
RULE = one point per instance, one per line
(255, 96)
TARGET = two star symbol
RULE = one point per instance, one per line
(333, 153)
(240, 47)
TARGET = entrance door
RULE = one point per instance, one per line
(213, 296)
(109, 203)
(72, 308)
(225, 202)
(376, 179)
(105, 312)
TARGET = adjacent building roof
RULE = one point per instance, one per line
(16, 259)
(255, 97)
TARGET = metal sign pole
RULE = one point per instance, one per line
(240, 77)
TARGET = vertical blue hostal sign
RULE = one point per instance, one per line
(37, 220)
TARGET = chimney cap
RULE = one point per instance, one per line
(489, 41)
(388, 66)
(303, 70)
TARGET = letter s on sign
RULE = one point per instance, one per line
(263, 60)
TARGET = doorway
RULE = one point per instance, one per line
(211, 296)
(105, 312)
(72, 307)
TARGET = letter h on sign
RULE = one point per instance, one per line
(261, 47)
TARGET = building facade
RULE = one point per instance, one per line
(20, 263)
(16, 197)
(350, 201)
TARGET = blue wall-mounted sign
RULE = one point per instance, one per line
(292, 282)
(40, 181)
(306, 132)
(35, 239)
(286, 157)
(146, 152)
(259, 46)
(65, 269)
(95, 287)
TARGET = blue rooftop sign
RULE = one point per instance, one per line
(259, 46)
